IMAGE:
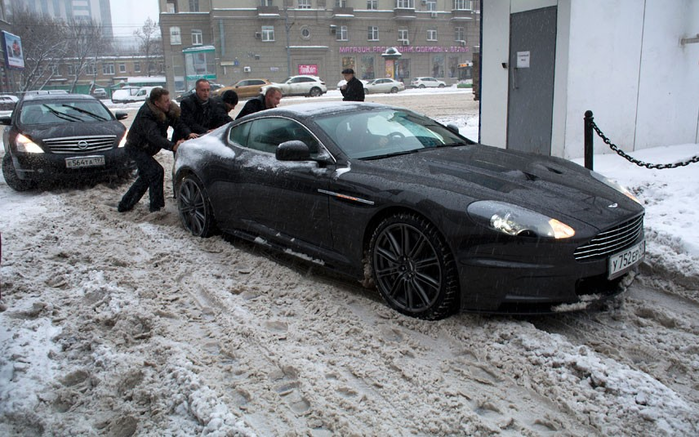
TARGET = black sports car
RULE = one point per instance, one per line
(62, 136)
(435, 221)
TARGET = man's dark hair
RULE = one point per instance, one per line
(196, 84)
(157, 93)
(272, 89)
(230, 97)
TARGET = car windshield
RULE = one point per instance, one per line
(59, 112)
(385, 132)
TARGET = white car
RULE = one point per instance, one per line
(303, 85)
(125, 94)
(383, 85)
(7, 104)
(426, 82)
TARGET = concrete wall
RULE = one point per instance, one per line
(622, 59)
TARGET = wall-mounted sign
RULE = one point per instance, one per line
(14, 55)
(523, 59)
(311, 69)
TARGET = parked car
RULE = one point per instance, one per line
(383, 85)
(99, 93)
(124, 94)
(301, 86)
(214, 88)
(245, 88)
(142, 93)
(51, 137)
(427, 82)
(7, 104)
(437, 222)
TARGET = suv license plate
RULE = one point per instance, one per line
(85, 161)
(621, 262)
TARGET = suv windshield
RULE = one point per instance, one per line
(385, 132)
(63, 111)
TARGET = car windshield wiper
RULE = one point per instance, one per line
(84, 111)
(388, 155)
(61, 115)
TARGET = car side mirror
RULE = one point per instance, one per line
(454, 128)
(293, 150)
(120, 115)
(6, 119)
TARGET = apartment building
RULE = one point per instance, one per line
(226, 41)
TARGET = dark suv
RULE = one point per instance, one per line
(62, 136)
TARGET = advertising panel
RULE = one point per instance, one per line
(14, 55)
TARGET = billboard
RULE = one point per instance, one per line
(14, 55)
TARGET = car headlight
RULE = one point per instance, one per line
(122, 143)
(614, 184)
(26, 145)
(517, 221)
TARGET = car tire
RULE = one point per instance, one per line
(194, 207)
(413, 267)
(441, 85)
(13, 181)
(394, 90)
(315, 92)
(422, 86)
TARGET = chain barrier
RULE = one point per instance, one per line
(639, 163)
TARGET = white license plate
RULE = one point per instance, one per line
(621, 262)
(85, 161)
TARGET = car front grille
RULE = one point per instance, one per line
(84, 144)
(611, 241)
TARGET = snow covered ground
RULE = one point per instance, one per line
(123, 324)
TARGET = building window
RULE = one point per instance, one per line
(373, 33)
(372, 5)
(340, 3)
(267, 3)
(432, 6)
(197, 37)
(304, 4)
(171, 8)
(268, 33)
(459, 34)
(342, 33)
(463, 5)
(137, 67)
(405, 4)
(122, 67)
(403, 35)
(71, 69)
(108, 69)
(55, 71)
(431, 34)
(193, 5)
(175, 36)
(91, 69)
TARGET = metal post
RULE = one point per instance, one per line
(589, 146)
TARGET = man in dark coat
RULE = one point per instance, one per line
(269, 100)
(200, 113)
(353, 90)
(146, 137)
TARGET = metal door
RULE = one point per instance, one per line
(531, 66)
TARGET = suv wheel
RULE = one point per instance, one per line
(13, 181)
(315, 92)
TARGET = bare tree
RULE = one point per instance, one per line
(43, 42)
(150, 44)
(85, 42)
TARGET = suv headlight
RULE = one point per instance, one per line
(26, 145)
(517, 221)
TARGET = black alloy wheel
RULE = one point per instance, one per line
(413, 267)
(394, 90)
(195, 210)
(315, 92)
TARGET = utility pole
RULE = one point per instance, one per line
(287, 27)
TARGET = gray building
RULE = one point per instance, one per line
(226, 41)
(96, 10)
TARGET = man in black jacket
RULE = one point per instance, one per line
(269, 100)
(200, 113)
(353, 90)
(146, 137)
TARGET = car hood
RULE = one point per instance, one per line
(77, 129)
(552, 186)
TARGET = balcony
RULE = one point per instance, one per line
(268, 11)
(404, 14)
(343, 13)
(462, 14)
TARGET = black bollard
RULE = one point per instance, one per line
(589, 146)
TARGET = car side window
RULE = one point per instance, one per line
(239, 134)
(266, 134)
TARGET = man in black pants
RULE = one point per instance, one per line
(353, 90)
(146, 137)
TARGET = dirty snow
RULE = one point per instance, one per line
(123, 324)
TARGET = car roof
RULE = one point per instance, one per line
(313, 109)
(55, 97)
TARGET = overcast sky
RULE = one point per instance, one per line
(129, 15)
